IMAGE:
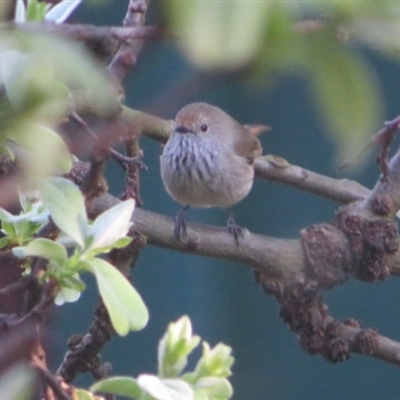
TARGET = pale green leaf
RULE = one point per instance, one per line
(347, 93)
(81, 394)
(165, 389)
(45, 248)
(118, 385)
(112, 225)
(65, 202)
(61, 11)
(19, 12)
(219, 34)
(17, 383)
(66, 295)
(218, 388)
(124, 304)
(53, 158)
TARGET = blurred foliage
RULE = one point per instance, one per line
(16, 383)
(37, 78)
(319, 39)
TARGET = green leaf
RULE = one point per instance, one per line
(36, 11)
(61, 11)
(216, 388)
(17, 383)
(53, 158)
(8, 229)
(118, 385)
(111, 225)
(81, 394)
(219, 34)
(67, 295)
(45, 248)
(6, 216)
(4, 241)
(65, 202)
(175, 346)
(165, 389)
(346, 92)
(124, 304)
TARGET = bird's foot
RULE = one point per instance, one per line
(234, 229)
(180, 230)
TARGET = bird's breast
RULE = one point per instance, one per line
(200, 174)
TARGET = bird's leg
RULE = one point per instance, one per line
(234, 229)
(180, 224)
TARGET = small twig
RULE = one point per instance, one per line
(93, 183)
(127, 161)
(113, 153)
(384, 138)
(14, 286)
(127, 54)
(52, 382)
(132, 185)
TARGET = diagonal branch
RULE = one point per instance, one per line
(129, 50)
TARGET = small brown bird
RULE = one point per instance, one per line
(208, 161)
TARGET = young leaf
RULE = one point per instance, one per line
(65, 202)
(45, 248)
(216, 388)
(20, 12)
(112, 225)
(81, 394)
(165, 389)
(61, 11)
(124, 304)
(67, 295)
(119, 385)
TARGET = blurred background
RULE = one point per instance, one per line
(221, 298)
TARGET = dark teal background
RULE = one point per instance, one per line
(221, 297)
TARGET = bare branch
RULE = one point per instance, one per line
(274, 168)
(85, 33)
(128, 52)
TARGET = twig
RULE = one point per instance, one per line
(123, 61)
(128, 52)
(277, 169)
(93, 183)
(14, 286)
(115, 154)
(87, 32)
(52, 382)
(384, 138)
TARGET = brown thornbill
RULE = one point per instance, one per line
(208, 161)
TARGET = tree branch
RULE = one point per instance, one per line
(86, 33)
(129, 50)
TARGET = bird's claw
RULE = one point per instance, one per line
(234, 229)
(180, 230)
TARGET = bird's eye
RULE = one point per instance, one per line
(204, 128)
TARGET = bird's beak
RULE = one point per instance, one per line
(183, 129)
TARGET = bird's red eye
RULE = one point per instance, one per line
(204, 128)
